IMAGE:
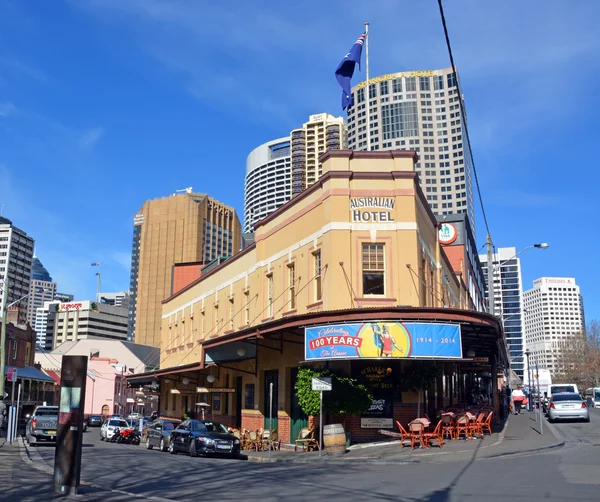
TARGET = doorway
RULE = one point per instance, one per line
(298, 419)
(239, 382)
(271, 377)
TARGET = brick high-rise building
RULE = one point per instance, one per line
(183, 228)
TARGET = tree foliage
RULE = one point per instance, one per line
(579, 362)
(347, 397)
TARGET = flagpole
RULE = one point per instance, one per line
(368, 89)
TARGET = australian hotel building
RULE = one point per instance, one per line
(353, 275)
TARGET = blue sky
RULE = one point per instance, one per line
(107, 103)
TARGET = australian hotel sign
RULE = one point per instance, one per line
(372, 209)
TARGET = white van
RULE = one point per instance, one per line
(593, 394)
(559, 388)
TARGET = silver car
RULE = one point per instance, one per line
(568, 406)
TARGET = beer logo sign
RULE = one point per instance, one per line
(447, 233)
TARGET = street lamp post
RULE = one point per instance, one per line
(529, 377)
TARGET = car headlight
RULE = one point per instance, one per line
(236, 441)
(209, 441)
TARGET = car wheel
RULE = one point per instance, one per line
(193, 452)
(148, 445)
(101, 437)
(587, 420)
(172, 449)
(163, 446)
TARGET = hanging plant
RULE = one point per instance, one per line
(347, 397)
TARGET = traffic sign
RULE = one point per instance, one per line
(321, 383)
(11, 374)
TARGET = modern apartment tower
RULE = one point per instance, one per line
(183, 228)
(419, 110)
(267, 185)
(42, 289)
(16, 255)
(508, 301)
(553, 313)
(322, 132)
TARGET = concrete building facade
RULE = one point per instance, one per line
(508, 301)
(420, 111)
(16, 257)
(352, 258)
(85, 319)
(553, 314)
(182, 228)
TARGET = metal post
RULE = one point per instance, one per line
(537, 369)
(270, 416)
(3, 336)
(17, 412)
(321, 423)
(490, 273)
(368, 87)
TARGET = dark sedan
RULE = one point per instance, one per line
(158, 432)
(205, 437)
(94, 420)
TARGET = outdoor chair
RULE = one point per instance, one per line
(462, 428)
(436, 435)
(448, 426)
(253, 441)
(417, 431)
(306, 440)
(269, 437)
(486, 425)
(475, 426)
(404, 435)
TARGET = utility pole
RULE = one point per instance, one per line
(490, 273)
(3, 336)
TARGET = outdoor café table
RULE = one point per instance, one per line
(426, 423)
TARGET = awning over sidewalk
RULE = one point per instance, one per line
(31, 373)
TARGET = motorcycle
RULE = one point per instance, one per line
(126, 436)
(116, 436)
(136, 438)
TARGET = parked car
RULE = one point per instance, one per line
(42, 425)
(158, 432)
(205, 437)
(134, 414)
(108, 428)
(94, 420)
(568, 406)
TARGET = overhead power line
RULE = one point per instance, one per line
(463, 112)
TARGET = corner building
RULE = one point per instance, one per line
(420, 111)
(356, 253)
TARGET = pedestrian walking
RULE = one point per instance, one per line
(518, 397)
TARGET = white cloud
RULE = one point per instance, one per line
(7, 109)
(90, 138)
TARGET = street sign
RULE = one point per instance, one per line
(11, 374)
(321, 383)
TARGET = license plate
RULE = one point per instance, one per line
(568, 406)
(223, 447)
(52, 433)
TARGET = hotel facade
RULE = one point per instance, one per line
(349, 275)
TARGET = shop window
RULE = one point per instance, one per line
(216, 401)
(249, 396)
(317, 267)
(373, 269)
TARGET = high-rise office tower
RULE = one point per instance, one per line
(267, 185)
(183, 228)
(322, 132)
(508, 301)
(42, 289)
(553, 314)
(419, 110)
(280, 169)
(16, 255)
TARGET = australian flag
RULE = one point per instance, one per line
(345, 70)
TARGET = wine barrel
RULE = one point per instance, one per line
(334, 438)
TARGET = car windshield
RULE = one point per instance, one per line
(95, 417)
(46, 412)
(216, 427)
(117, 423)
(566, 397)
(597, 394)
(557, 389)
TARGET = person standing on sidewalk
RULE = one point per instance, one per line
(518, 397)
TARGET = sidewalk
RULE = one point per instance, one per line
(519, 434)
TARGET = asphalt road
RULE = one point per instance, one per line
(568, 473)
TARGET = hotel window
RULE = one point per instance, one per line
(317, 266)
(373, 269)
(247, 308)
(231, 312)
(384, 88)
(291, 286)
(270, 295)
(410, 84)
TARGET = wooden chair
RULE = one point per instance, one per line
(404, 435)
(462, 427)
(475, 426)
(253, 441)
(436, 435)
(448, 426)
(417, 434)
(269, 437)
(306, 440)
(486, 425)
